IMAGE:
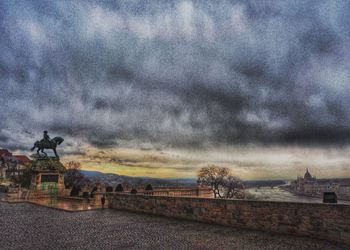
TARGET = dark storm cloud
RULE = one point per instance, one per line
(176, 73)
(4, 138)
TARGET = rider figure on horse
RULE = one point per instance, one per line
(46, 139)
(47, 143)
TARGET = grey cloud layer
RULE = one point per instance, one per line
(176, 73)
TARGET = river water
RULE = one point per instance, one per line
(279, 194)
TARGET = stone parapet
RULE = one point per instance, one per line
(323, 221)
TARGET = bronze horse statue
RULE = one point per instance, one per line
(52, 144)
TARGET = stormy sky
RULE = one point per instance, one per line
(175, 74)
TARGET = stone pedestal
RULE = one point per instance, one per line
(41, 179)
(47, 175)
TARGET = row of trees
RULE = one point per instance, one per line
(73, 176)
(220, 179)
(222, 182)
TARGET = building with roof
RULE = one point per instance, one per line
(12, 166)
(306, 185)
(23, 160)
(4, 152)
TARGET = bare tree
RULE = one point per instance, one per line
(233, 188)
(222, 182)
(73, 165)
(73, 175)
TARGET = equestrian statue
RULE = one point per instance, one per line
(47, 143)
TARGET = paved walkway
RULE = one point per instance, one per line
(29, 226)
(69, 204)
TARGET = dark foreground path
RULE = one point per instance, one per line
(27, 226)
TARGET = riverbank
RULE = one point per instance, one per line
(320, 196)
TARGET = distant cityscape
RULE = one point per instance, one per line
(309, 185)
(13, 166)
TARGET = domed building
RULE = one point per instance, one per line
(306, 185)
(307, 175)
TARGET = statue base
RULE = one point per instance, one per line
(47, 175)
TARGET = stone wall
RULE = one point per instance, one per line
(324, 221)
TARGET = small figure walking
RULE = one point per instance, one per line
(103, 200)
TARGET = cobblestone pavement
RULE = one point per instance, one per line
(28, 226)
